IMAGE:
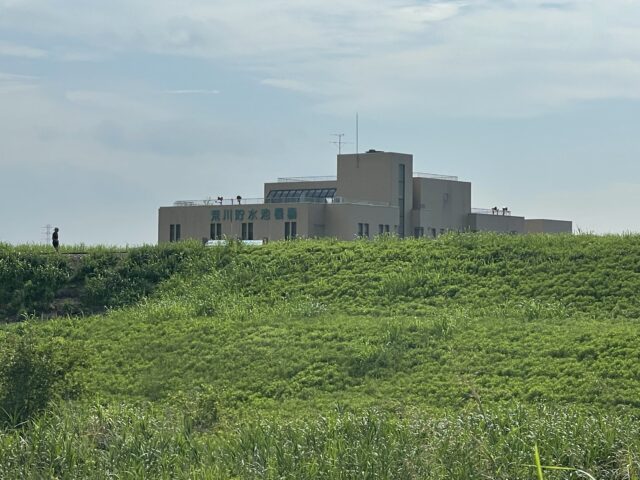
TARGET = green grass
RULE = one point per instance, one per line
(450, 358)
(35, 281)
(119, 441)
(440, 360)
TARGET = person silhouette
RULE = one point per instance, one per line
(54, 239)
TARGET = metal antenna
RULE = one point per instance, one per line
(339, 143)
(357, 149)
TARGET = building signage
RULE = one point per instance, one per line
(242, 215)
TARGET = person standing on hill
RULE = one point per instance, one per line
(54, 239)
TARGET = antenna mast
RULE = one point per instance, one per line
(357, 146)
(339, 143)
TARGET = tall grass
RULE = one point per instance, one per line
(147, 441)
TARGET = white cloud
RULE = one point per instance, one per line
(463, 58)
(287, 84)
(15, 77)
(195, 91)
(133, 104)
(80, 56)
(421, 14)
(11, 83)
(14, 50)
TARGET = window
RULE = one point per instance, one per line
(380, 229)
(433, 232)
(360, 229)
(281, 196)
(418, 232)
(174, 232)
(386, 229)
(366, 230)
(290, 230)
(216, 231)
(247, 231)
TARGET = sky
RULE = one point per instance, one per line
(109, 110)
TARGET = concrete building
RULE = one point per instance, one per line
(374, 193)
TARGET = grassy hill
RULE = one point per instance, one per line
(447, 358)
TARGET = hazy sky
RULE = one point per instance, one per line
(109, 110)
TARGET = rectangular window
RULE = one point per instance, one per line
(366, 230)
(215, 232)
(386, 229)
(172, 233)
(360, 229)
(380, 229)
(247, 231)
(433, 232)
(290, 230)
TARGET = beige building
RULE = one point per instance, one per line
(374, 193)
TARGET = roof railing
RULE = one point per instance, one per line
(358, 202)
(492, 211)
(307, 179)
(435, 176)
(213, 202)
(218, 201)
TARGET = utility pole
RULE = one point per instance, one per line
(46, 233)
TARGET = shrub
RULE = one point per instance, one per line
(33, 372)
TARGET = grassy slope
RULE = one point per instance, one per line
(35, 281)
(427, 323)
(504, 339)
